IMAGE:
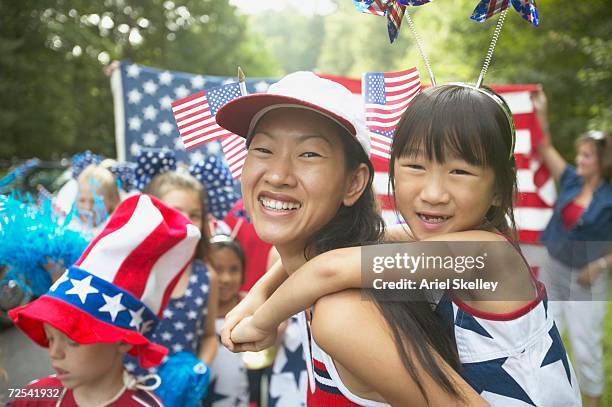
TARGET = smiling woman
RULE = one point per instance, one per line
(307, 185)
(291, 152)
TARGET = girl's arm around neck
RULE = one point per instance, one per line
(341, 269)
(327, 273)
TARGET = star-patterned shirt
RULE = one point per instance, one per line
(182, 327)
(288, 380)
(229, 381)
(515, 359)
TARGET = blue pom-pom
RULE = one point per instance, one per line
(31, 237)
(184, 380)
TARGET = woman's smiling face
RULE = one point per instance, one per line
(294, 179)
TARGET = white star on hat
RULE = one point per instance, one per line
(82, 288)
(113, 305)
(136, 318)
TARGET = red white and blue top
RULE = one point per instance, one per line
(325, 386)
(514, 359)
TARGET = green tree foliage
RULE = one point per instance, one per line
(54, 96)
(570, 54)
(294, 39)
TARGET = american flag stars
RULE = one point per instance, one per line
(146, 96)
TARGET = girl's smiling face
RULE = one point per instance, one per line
(436, 198)
(228, 267)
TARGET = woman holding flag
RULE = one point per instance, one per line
(578, 241)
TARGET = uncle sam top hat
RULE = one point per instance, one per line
(119, 287)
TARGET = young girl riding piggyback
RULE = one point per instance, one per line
(453, 176)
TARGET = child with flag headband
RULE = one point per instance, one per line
(108, 304)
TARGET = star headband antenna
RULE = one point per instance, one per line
(487, 61)
(419, 44)
(478, 86)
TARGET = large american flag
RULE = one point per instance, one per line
(387, 95)
(195, 115)
(143, 117)
(143, 99)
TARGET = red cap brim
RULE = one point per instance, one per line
(81, 328)
(236, 115)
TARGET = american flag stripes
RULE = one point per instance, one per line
(490, 8)
(390, 8)
(235, 151)
(134, 98)
(386, 97)
(376, 7)
(195, 114)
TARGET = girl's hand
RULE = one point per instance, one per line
(248, 337)
(590, 273)
(245, 308)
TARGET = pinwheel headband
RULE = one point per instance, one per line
(478, 86)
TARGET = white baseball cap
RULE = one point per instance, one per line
(303, 90)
